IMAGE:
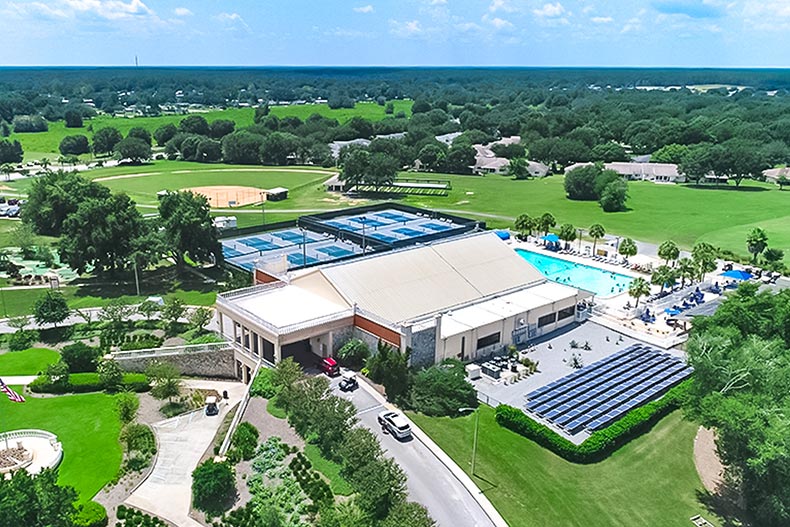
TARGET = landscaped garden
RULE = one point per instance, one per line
(650, 481)
(31, 361)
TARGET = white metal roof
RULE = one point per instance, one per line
(290, 305)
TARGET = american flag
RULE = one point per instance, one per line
(12, 395)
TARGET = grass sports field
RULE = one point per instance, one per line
(650, 481)
(45, 144)
(86, 425)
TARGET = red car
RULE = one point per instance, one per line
(329, 366)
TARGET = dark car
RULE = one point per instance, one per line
(13, 201)
(349, 382)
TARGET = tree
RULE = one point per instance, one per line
(638, 288)
(165, 380)
(173, 310)
(74, 145)
(546, 222)
(245, 440)
(782, 182)
(148, 309)
(390, 368)
(627, 248)
(36, 501)
(738, 160)
(133, 149)
(432, 157)
(773, 256)
(11, 152)
(355, 167)
(353, 353)
(686, 270)
(580, 182)
(220, 128)
(597, 232)
(199, 318)
(662, 276)
(213, 486)
(668, 251)
(518, 168)
(106, 139)
(80, 357)
(126, 404)
(358, 448)
(671, 153)
(242, 148)
(140, 133)
(51, 308)
(23, 237)
(116, 312)
(277, 148)
(58, 374)
(261, 112)
(194, 124)
(704, 256)
(188, 228)
(460, 158)
(110, 375)
(165, 133)
(384, 484)
(756, 242)
(696, 163)
(441, 390)
(525, 224)
(73, 119)
(608, 152)
(408, 514)
(614, 196)
(567, 233)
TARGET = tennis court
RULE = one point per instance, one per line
(437, 227)
(259, 244)
(394, 216)
(409, 233)
(334, 251)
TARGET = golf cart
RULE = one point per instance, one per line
(348, 381)
(211, 406)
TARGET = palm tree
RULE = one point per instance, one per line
(567, 233)
(638, 288)
(704, 255)
(7, 169)
(756, 242)
(546, 222)
(596, 232)
(686, 269)
(525, 224)
(668, 250)
(45, 164)
(628, 248)
(662, 276)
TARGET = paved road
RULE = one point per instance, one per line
(430, 482)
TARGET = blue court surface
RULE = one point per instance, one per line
(370, 222)
(394, 216)
(299, 259)
(293, 237)
(335, 252)
(230, 252)
(410, 233)
(438, 227)
(341, 225)
(259, 244)
(383, 237)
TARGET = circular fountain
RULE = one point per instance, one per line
(32, 450)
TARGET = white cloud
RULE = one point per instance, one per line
(342, 32)
(110, 9)
(550, 10)
(633, 24)
(233, 21)
(767, 15)
(501, 5)
(182, 11)
(468, 26)
(405, 29)
(437, 2)
(497, 23)
(602, 20)
(364, 9)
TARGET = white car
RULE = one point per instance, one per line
(395, 423)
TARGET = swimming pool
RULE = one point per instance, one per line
(602, 283)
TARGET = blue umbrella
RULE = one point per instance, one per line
(503, 235)
(737, 274)
(553, 238)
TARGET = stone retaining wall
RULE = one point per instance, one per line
(198, 364)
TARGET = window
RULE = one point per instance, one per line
(488, 341)
(545, 320)
(565, 313)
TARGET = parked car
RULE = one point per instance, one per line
(349, 381)
(12, 212)
(211, 406)
(13, 201)
(4, 210)
(329, 366)
(2, 199)
(394, 423)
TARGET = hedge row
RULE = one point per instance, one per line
(601, 443)
(88, 382)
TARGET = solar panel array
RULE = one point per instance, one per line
(599, 394)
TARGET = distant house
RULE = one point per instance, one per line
(655, 172)
(537, 169)
(333, 184)
(772, 175)
(487, 162)
(336, 146)
(448, 138)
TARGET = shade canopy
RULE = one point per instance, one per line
(737, 274)
(551, 238)
(503, 235)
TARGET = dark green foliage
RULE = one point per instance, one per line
(105, 139)
(91, 514)
(55, 196)
(580, 182)
(390, 368)
(135, 518)
(602, 442)
(353, 354)
(11, 152)
(80, 357)
(591, 182)
(133, 149)
(263, 386)
(30, 123)
(89, 382)
(73, 119)
(140, 342)
(74, 145)
(213, 486)
(241, 148)
(408, 514)
(194, 124)
(187, 227)
(442, 390)
(35, 501)
(51, 308)
(245, 440)
(126, 404)
(165, 133)
(22, 339)
(140, 133)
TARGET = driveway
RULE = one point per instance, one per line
(167, 492)
(430, 482)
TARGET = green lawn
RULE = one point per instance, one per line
(86, 425)
(27, 362)
(650, 481)
(330, 469)
(45, 144)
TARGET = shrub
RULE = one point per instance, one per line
(22, 340)
(262, 386)
(127, 404)
(442, 390)
(90, 514)
(602, 442)
(110, 375)
(88, 382)
(141, 342)
(353, 354)
(80, 357)
(245, 440)
(213, 484)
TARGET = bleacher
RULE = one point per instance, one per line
(597, 395)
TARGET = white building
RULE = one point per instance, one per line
(655, 172)
(772, 175)
(464, 298)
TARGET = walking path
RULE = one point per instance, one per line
(182, 441)
(18, 380)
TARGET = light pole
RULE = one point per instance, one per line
(477, 426)
(263, 206)
(304, 246)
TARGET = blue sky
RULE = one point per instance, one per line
(398, 32)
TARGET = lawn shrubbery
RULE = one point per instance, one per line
(602, 442)
(22, 339)
(88, 382)
(213, 486)
(442, 390)
(353, 354)
(139, 445)
(80, 357)
(262, 385)
(244, 442)
(90, 514)
(134, 518)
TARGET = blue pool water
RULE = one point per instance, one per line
(602, 283)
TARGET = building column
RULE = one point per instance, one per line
(278, 352)
(220, 321)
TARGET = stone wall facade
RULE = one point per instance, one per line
(423, 347)
(220, 364)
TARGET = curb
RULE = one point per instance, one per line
(462, 477)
